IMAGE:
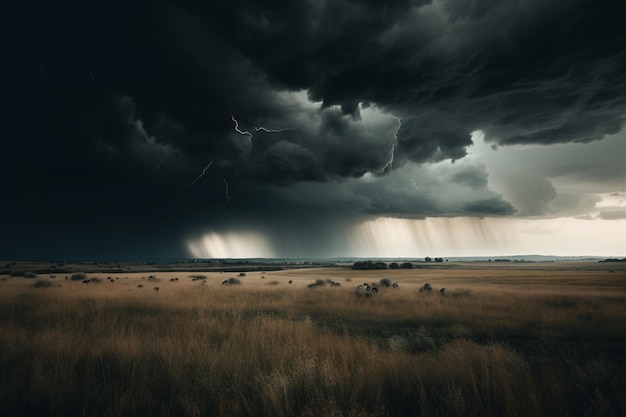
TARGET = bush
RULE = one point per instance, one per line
(393, 265)
(406, 265)
(79, 276)
(320, 282)
(42, 283)
(30, 274)
(385, 282)
(95, 280)
(17, 274)
(197, 277)
(234, 281)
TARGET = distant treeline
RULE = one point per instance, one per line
(369, 265)
(366, 265)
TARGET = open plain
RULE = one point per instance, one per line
(505, 339)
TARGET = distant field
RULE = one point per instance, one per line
(506, 339)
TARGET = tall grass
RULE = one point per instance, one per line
(241, 351)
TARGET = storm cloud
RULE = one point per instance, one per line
(200, 113)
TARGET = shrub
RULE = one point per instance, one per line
(393, 265)
(79, 276)
(30, 274)
(42, 283)
(406, 265)
(95, 280)
(197, 277)
(232, 281)
(320, 282)
(17, 274)
(385, 282)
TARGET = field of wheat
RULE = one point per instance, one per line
(504, 340)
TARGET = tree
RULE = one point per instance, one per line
(369, 265)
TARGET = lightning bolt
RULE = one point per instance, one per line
(243, 133)
(158, 165)
(389, 164)
(201, 174)
(392, 153)
(250, 136)
(46, 76)
(226, 192)
(256, 129)
(261, 128)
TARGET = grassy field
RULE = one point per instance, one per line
(532, 339)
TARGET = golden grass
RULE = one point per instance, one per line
(501, 342)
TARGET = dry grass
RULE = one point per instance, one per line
(501, 342)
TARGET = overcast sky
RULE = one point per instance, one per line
(247, 128)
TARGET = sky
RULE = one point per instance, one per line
(312, 128)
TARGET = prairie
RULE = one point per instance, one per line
(540, 339)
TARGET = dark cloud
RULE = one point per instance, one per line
(533, 72)
(492, 206)
(612, 214)
(131, 110)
